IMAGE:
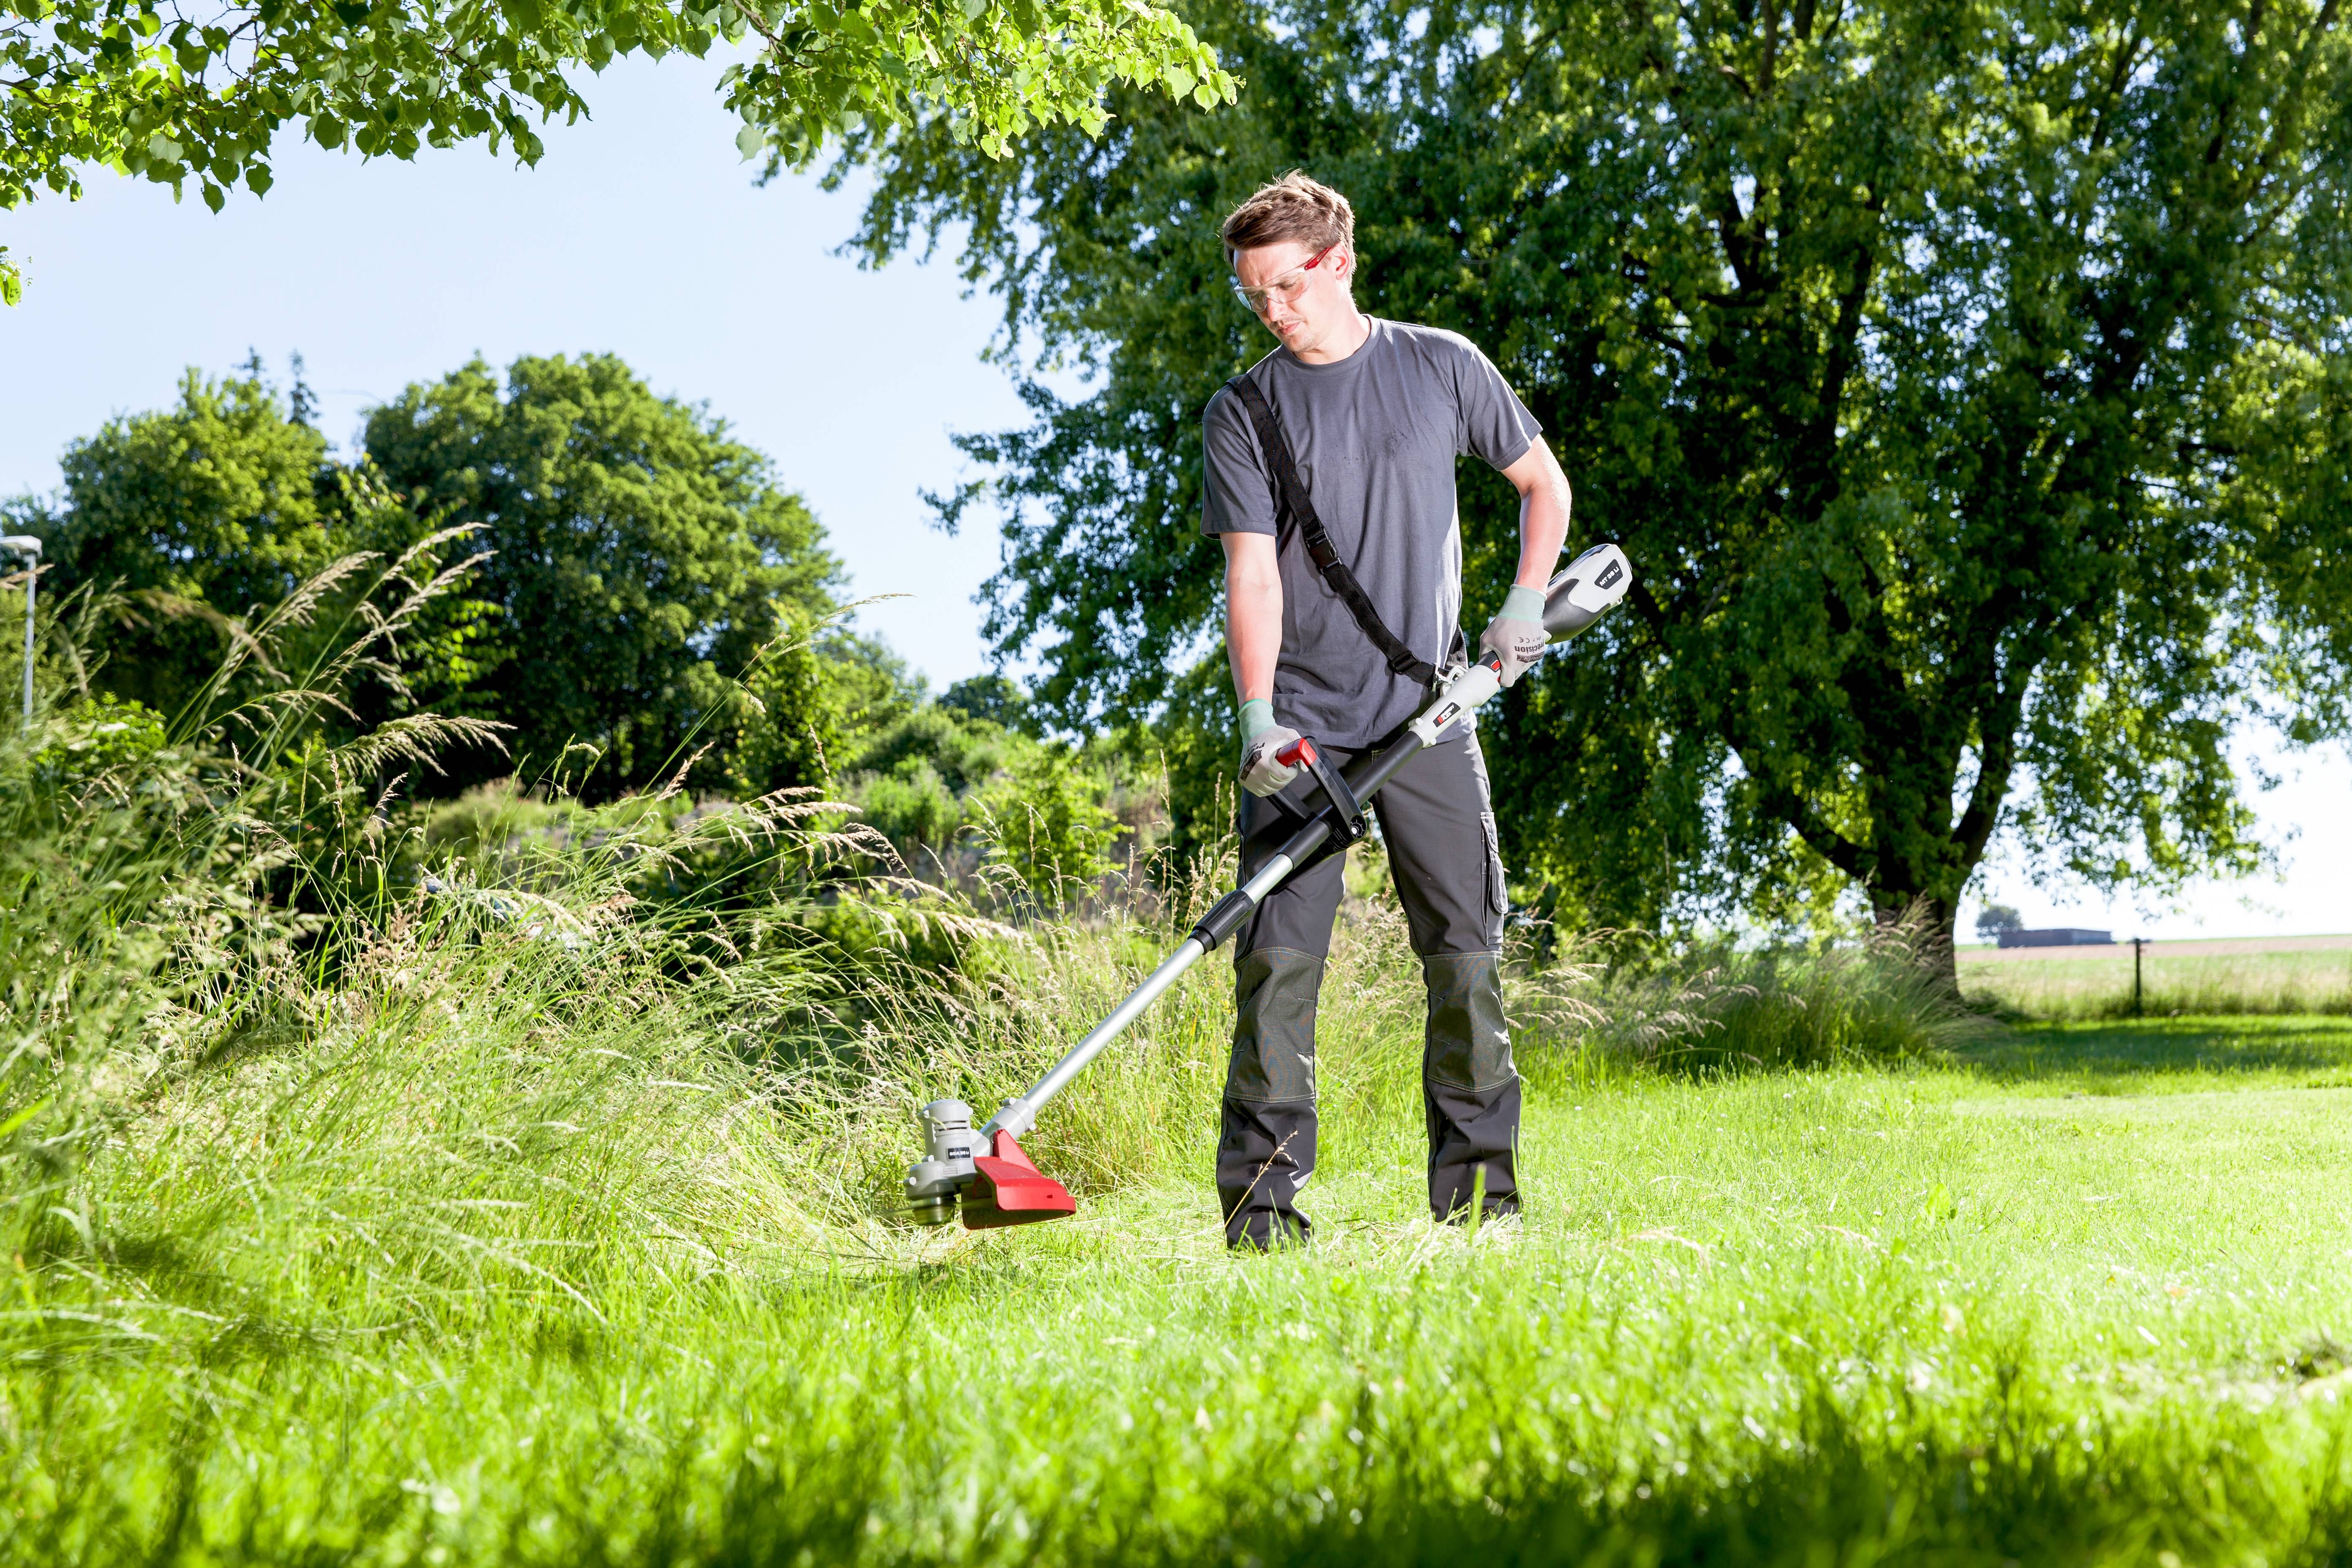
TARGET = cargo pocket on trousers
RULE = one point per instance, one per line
(1497, 897)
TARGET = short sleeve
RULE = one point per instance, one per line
(1492, 423)
(1238, 494)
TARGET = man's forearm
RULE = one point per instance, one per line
(1253, 637)
(1543, 513)
(1253, 615)
(1543, 531)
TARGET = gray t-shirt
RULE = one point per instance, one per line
(1375, 436)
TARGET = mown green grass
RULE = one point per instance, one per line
(1946, 1314)
(2148, 1055)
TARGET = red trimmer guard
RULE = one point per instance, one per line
(1011, 1190)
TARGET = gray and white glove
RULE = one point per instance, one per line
(1260, 738)
(1516, 632)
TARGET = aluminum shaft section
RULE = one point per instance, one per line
(1269, 877)
(1017, 1116)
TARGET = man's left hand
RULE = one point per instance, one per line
(1516, 634)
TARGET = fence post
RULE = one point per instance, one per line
(2138, 942)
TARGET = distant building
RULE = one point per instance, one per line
(2058, 936)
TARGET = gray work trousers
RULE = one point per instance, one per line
(1438, 825)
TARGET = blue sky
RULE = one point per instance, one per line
(640, 233)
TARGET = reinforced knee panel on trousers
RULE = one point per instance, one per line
(1274, 1026)
(1468, 1044)
(1470, 1090)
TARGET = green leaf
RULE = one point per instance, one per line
(122, 81)
(750, 141)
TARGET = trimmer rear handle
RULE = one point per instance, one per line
(1346, 812)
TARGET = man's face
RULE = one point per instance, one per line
(1304, 306)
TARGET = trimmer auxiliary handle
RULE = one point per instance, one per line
(985, 1171)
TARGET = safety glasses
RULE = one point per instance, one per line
(1286, 288)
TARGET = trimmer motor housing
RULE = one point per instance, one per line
(934, 1182)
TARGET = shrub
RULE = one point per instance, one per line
(1045, 823)
(913, 808)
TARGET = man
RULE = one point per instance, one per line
(1373, 414)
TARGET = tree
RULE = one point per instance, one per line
(202, 515)
(818, 696)
(993, 698)
(1966, 379)
(175, 94)
(638, 559)
(630, 563)
(1995, 919)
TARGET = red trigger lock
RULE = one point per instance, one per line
(1298, 753)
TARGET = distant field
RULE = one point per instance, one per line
(2225, 975)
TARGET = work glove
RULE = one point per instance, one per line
(1517, 634)
(1260, 738)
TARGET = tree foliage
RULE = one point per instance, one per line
(1966, 379)
(179, 92)
(637, 558)
(815, 698)
(195, 519)
(630, 563)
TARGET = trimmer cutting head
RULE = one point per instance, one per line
(994, 1183)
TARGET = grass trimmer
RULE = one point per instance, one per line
(985, 1172)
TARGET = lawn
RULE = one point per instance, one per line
(2081, 1294)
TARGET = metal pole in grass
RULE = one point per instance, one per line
(2138, 943)
(27, 549)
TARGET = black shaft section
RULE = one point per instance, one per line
(1379, 770)
(1237, 906)
(1225, 920)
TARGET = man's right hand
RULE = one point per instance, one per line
(1259, 770)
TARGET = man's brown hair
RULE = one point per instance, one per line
(1292, 207)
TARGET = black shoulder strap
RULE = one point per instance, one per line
(1290, 493)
